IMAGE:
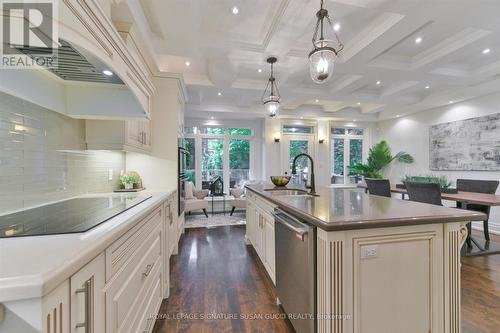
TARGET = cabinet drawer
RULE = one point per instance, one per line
(122, 249)
(265, 205)
(124, 292)
(145, 320)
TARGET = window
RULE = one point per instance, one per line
(239, 131)
(191, 159)
(190, 130)
(297, 129)
(346, 150)
(212, 151)
(239, 162)
(211, 130)
(219, 151)
(298, 147)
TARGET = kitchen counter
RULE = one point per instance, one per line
(350, 209)
(33, 266)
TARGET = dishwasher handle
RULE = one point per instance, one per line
(291, 223)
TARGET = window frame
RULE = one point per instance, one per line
(347, 142)
(198, 137)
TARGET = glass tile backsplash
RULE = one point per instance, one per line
(43, 157)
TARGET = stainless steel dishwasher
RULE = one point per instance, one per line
(296, 270)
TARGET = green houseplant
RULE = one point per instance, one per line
(128, 181)
(444, 183)
(379, 158)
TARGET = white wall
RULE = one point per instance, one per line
(411, 134)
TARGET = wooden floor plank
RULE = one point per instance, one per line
(216, 273)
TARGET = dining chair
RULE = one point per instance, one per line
(381, 187)
(424, 192)
(478, 186)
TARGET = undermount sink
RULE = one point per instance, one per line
(287, 192)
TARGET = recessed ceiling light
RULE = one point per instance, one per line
(450, 102)
(418, 40)
(259, 70)
(486, 51)
(219, 93)
(359, 103)
(317, 101)
(301, 117)
(354, 120)
(378, 82)
(427, 87)
(212, 117)
(188, 63)
(235, 10)
(397, 116)
(336, 26)
(107, 72)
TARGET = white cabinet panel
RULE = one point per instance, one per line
(87, 298)
(55, 312)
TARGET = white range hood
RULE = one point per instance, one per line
(76, 88)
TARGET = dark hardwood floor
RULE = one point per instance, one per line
(481, 293)
(215, 273)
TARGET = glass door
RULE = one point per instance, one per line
(346, 150)
(295, 145)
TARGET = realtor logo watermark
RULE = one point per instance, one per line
(29, 34)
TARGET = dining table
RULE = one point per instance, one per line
(465, 198)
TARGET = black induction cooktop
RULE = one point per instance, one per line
(69, 216)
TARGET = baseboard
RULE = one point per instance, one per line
(493, 227)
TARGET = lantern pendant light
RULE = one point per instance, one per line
(271, 97)
(323, 55)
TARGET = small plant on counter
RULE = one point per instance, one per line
(128, 181)
(379, 158)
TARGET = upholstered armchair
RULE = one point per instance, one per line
(195, 199)
(239, 199)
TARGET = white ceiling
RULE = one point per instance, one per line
(225, 52)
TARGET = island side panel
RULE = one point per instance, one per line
(398, 288)
(455, 236)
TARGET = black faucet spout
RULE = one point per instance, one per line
(294, 171)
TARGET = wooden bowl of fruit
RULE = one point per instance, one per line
(280, 181)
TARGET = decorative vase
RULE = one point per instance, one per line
(128, 186)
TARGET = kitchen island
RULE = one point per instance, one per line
(382, 264)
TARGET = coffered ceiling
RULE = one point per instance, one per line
(225, 52)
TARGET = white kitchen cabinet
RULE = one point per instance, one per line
(55, 310)
(127, 290)
(87, 298)
(251, 222)
(260, 231)
(128, 135)
(166, 248)
(269, 246)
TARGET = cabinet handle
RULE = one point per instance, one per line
(87, 291)
(148, 270)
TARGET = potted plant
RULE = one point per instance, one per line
(443, 182)
(128, 181)
(379, 158)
